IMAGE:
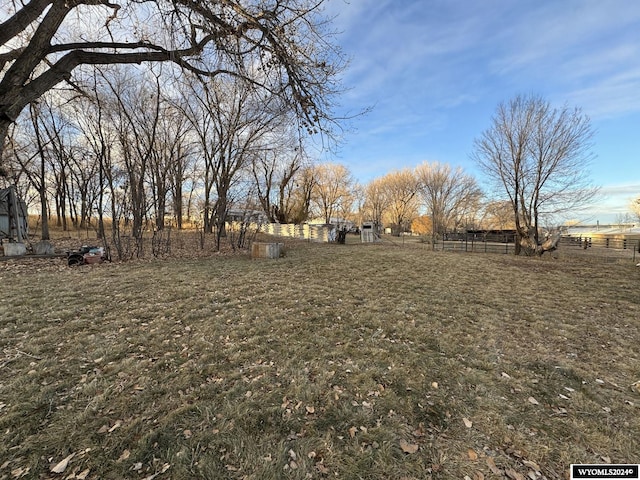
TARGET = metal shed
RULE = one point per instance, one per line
(13, 216)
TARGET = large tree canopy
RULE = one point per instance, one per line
(277, 45)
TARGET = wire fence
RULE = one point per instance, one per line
(471, 242)
(606, 249)
(609, 250)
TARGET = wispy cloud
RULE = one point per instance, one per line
(587, 53)
(440, 51)
(402, 44)
(611, 96)
(435, 70)
(627, 190)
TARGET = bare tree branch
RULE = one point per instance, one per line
(279, 46)
(537, 157)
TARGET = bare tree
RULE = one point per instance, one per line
(36, 173)
(85, 185)
(99, 138)
(299, 203)
(20, 151)
(280, 47)
(137, 119)
(275, 173)
(53, 142)
(331, 190)
(234, 124)
(180, 152)
(375, 203)
(358, 194)
(168, 163)
(56, 135)
(537, 157)
(401, 195)
(449, 195)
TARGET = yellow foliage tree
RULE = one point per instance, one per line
(422, 225)
(635, 207)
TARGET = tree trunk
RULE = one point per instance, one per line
(221, 218)
(44, 208)
(178, 207)
(5, 123)
(44, 214)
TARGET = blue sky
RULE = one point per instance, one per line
(435, 70)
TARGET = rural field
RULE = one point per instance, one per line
(335, 361)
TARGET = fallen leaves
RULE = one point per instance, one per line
(532, 465)
(513, 475)
(325, 391)
(533, 401)
(20, 472)
(354, 430)
(492, 466)
(82, 475)
(118, 424)
(408, 447)
(293, 463)
(124, 456)
(164, 468)
(61, 466)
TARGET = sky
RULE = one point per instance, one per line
(434, 71)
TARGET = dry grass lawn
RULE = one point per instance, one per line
(349, 362)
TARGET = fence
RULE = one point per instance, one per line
(313, 233)
(471, 242)
(607, 248)
(603, 249)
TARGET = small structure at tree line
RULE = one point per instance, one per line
(267, 250)
(370, 232)
(13, 222)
